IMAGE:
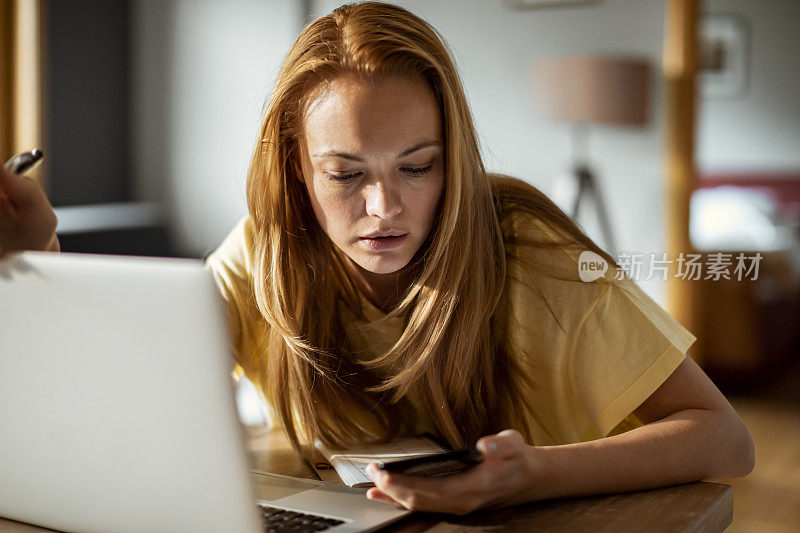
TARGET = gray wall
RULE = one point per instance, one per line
(201, 71)
(759, 130)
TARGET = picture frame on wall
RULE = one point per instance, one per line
(724, 56)
(539, 4)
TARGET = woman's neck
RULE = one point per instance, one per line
(384, 291)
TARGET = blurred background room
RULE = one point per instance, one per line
(675, 122)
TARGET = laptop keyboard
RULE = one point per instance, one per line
(280, 520)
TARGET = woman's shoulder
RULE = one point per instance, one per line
(535, 228)
(232, 267)
(234, 255)
(543, 251)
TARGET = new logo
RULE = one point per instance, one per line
(591, 266)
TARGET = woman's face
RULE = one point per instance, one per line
(372, 160)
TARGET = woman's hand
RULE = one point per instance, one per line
(27, 220)
(505, 477)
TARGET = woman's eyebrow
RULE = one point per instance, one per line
(343, 155)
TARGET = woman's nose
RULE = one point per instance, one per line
(383, 201)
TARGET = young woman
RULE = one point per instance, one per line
(384, 284)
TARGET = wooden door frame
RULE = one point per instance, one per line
(22, 79)
(679, 71)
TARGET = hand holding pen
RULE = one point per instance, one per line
(27, 220)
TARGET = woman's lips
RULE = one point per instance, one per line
(383, 243)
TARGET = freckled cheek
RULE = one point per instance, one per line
(341, 213)
(428, 203)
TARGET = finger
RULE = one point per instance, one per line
(505, 444)
(3, 193)
(15, 188)
(404, 482)
(8, 181)
(402, 489)
(379, 495)
(453, 493)
(6, 207)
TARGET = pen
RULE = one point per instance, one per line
(23, 162)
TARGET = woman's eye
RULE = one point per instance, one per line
(419, 170)
(342, 177)
(416, 171)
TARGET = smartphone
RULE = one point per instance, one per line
(435, 464)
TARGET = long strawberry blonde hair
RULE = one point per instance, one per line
(452, 354)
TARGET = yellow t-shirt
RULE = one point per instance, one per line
(594, 351)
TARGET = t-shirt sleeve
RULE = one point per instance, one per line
(231, 265)
(593, 351)
(624, 349)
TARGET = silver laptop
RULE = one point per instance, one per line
(117, 409)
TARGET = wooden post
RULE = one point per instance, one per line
(679, 68)
(21, 74)
(6, 69)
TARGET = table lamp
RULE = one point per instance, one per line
(592, 90)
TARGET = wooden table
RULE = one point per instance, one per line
(700, 507)
(693, 507)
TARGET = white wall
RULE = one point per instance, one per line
(761, 129)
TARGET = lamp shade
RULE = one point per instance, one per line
(609, 90)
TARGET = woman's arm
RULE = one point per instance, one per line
(691, 433)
